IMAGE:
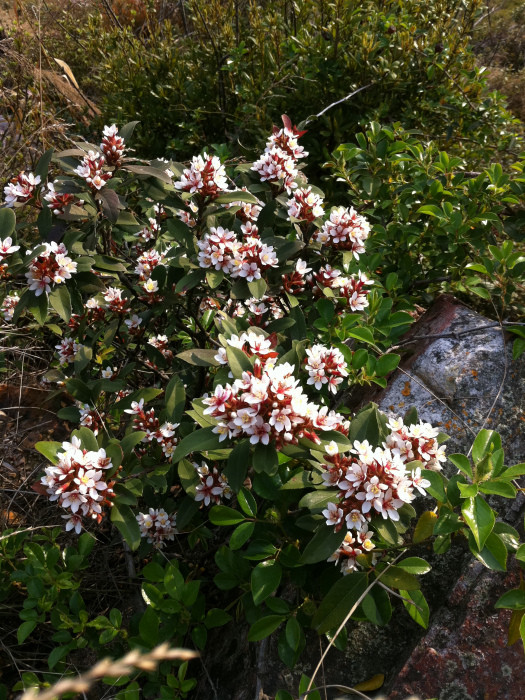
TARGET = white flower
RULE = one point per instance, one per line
(333, 514)
(332, 448)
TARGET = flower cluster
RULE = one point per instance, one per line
(416, 442)
(253, 345)
(305, 205)
(149, 232)
(351, 548)
(112, 145)
(353, 288)
(344, 230)
(255, 309)
(58, 202)
(79, 483)
(369, 480)
(205, 176)
(133, 324)
(213, 485)
(51, 266)
(220, 249)
(8, 306)
(67, 349)
(115, 302)
(187, 216)
(90, 169)
(269, 405)
(157, 526)
(147, 422)
(147, 262)
(247, 212)
(161, 343)
(294, 283)
(325, 366)
(286, 139)
(21, 188)
(278, 163)
(90, 417)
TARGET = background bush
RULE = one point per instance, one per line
(224, 71)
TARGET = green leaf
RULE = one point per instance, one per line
(223, 515)
(396, 577)
(265, 579)
(486, 442)
(25, 630)
(42, 166)
(214, 278)
(420, 616)
(7, 222)
(83, 357)
(247, 502)
(386, 364)
(317, 500)
(520, 554)
(60, 300)
(369, 424)
(293, 633)
(494, 553)
(322, 545)
(87, 438)
(188, 476)
(499, 487)
(362, 334)
(414, 565)
(448, 522)
(437, 484)
(376, 606)
(514, 471)
(241, 535)
(479, 517)
(38, 307)
(264, 627)
(174, 582)
(69, 413)
(49, 449)
(431, 210)
(265, 459)
(462, 463)
(130, 440)
(57, 655)
(216, 618)
(236, 196)
(127, 130)
(338, 602)
(175, 400)
(512, 600)
(237, 465)
(467, 490)
(238, 361)
(153, 572)
(425, 526)
(258, 288)
(80, 390)
(198, 441)
(125, 521)
(149, 627)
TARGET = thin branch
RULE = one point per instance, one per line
(334, 104)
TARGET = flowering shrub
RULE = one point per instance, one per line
(212, 320)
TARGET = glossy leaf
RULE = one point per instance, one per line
(480, 518)
(265, 579)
